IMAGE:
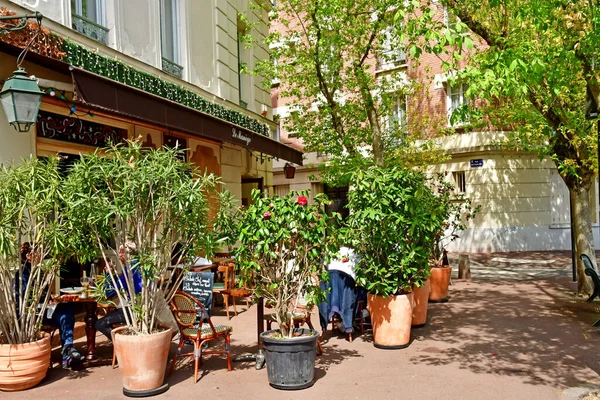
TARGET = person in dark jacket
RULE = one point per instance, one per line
(116, 317)
(60, 315)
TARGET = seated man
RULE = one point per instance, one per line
(105, 324)
(61, 315)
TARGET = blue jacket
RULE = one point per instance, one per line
(122, 283)
(341, 298)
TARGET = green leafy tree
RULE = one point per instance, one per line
(541, 58)
(325, 56)
(31, 211)
(148, 202)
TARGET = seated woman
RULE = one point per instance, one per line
(105, 325)
(61, 315)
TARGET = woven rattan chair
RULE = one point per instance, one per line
(184, 309)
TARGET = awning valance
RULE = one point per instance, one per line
(111, 96)
(114, 97)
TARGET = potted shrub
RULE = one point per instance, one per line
(283, 249)
(391, 227)
(148, 202)
(456, 210)
(30, 199)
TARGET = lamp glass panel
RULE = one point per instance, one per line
(8, 106)
(27, 106)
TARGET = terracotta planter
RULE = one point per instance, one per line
(391, 318)
(142, 361)
(420, 298)
(440, 279)
(22, 366)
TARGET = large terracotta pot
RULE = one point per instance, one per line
(440, 279)
(391, 318)
(142, 361)
(22, 366)
(420, 298)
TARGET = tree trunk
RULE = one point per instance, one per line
(582, 229)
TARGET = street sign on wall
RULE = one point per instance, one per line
(476, 163)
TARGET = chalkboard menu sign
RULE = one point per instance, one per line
(200, 285)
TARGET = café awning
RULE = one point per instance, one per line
(118, 98)
(114, 97)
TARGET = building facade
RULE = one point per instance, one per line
(166, 71)
(524, 201)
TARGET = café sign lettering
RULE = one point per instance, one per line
(239, 135)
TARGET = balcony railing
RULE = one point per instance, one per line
(90, 28)
(172, 68)
(390, 60)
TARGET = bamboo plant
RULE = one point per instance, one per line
(30, 211)
(153, 204)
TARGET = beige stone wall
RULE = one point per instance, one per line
(208, 43)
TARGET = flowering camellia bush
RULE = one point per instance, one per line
(283, 251)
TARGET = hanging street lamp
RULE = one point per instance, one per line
(21, 96)
(289, 171)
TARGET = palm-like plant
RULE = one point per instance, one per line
(30, 211)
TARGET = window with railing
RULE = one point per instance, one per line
(169, 34)
(392, 53)
(89, 18)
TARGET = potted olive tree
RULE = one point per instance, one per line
(283, 250)
(391, 227)
(142, 203)
(30, 211)
(456, 210)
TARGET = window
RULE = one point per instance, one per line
(395, 124)
(392, 54)
(244, 84)
(459, 181)
(450, 19)
(455, 100)
(89, 17)
(169, 33)
(398, 112)
(281, 190)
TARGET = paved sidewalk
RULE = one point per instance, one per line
(516, 335)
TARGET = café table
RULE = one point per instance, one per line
(91, 316)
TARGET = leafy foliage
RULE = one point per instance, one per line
(283, 251)
(30, 211)
(392, 226)
(532, 77)
(324, 56)
(148, 202)
(458, 210)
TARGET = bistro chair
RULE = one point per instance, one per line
(185, 310)
(228, 288)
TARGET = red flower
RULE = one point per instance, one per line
(240, 208)
(267, 215)
(319, 216)
(345, 259)
(302, 200)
